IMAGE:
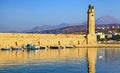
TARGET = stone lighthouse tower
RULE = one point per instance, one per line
(91, 36)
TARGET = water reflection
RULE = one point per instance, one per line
(78, 60)
(21, 57)
(108, 60)
(91, 57)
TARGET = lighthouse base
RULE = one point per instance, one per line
(91, 39)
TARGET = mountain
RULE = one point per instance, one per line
(50, 27)
(107, 20)
(69, 29)
(43, 27)
(80, 29)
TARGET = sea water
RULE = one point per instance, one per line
(76, 60)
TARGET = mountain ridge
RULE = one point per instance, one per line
(51, 27)
(107, 20)
(100, 21)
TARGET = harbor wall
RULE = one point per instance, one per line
(21, 39)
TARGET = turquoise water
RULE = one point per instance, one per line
(78, 60)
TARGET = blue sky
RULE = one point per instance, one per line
(26, 14)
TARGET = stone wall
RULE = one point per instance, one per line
(14, 39)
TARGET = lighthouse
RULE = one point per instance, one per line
(91, 36)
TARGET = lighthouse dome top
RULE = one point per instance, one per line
(91, 6)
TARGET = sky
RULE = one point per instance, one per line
(18, 15)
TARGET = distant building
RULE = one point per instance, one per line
(109, 36)
(100, 35)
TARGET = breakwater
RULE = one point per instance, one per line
(21, 39)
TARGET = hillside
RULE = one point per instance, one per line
(104, 21)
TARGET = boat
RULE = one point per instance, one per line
(5, 49)
(70, 46)
(43, 47)
(32, 47)
(17, 48)
(56, 47)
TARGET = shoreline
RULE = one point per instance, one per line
(88, 46)
(99, 46)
